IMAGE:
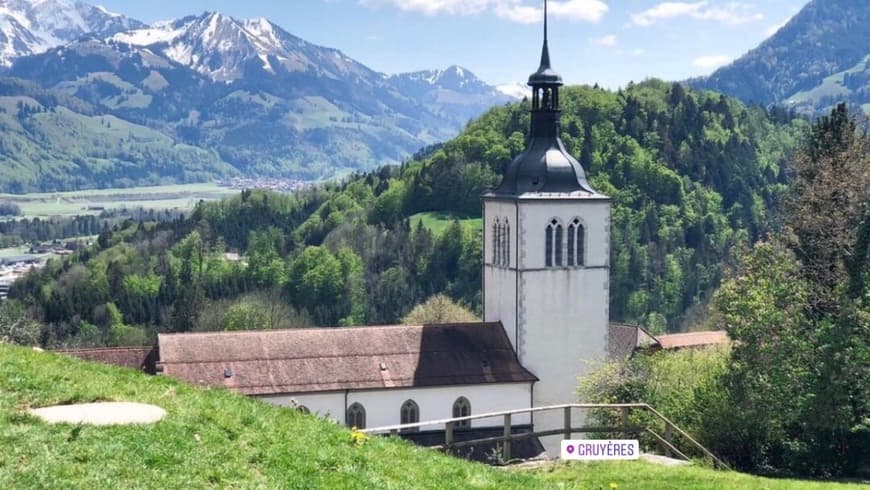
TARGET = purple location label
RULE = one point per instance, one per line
(570, 449)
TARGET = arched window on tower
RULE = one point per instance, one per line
(356, 416)
(462, 408)
(507, 244)
(549, 245)
(576, 244)
(554, 248)
(410, 415)
(496, 241)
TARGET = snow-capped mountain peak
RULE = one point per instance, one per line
(224, 49)
(515, 90)
(33, 26)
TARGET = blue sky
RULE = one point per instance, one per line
(610, 42)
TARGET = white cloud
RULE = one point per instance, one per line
(639, 52)
(606, 42)
(731, 13)
(713, 61)
(520, 11)
(774, 28)
(579, 10)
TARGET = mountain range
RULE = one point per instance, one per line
(253, 98)
(819, 58)
(33, 26)
(92, 98)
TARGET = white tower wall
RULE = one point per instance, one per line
(557, 317)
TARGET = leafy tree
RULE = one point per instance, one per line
(439, 309)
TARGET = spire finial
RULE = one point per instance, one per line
(545, 20)
(545, 53)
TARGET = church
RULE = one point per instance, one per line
(546, 270)
(545, 291)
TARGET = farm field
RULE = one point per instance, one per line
(77, 203)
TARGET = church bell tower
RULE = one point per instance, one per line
(547, 254)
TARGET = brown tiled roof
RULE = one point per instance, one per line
(693, 339)
(141, 358)
(623, 339)
(333, 359)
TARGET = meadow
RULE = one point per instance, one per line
(215, 439)
(174, 197)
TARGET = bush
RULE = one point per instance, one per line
(9, 208)
(16, 324)
(677, 384)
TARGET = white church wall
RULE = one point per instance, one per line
(536, 214)
(383, 406)
(564, 311)
(500, 285)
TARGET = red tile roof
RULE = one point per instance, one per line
(140, 358)
(333, 359)
(692, 339)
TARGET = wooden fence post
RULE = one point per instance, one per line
(624, 415)
(506, 451)
(567, 434)
(669, 436)
(448, 436)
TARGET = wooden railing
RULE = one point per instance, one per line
(665, 440)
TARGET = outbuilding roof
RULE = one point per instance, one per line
(141, 358)
(334, 359)
(692, 339)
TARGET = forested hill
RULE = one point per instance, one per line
(820, 58)
(692, 175)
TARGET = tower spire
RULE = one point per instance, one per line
(546, 165)
(545, 21)
(545, 52)
(545, 74)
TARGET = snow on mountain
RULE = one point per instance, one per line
(453, 78)
(33, 26)
(224, 49)
(515, 90)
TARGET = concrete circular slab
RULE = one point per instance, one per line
(101, 414)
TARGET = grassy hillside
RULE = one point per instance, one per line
(213, 438)
(52, 147)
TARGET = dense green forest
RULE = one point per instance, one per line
(692, 175)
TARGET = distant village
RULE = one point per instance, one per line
(276, 185)
(14, 267)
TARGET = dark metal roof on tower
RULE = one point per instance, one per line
(545, 166)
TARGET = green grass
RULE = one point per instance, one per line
(641, 474)
(180, 196)
(215, 439)
(438, 222)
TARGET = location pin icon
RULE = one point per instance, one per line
(570, 449)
